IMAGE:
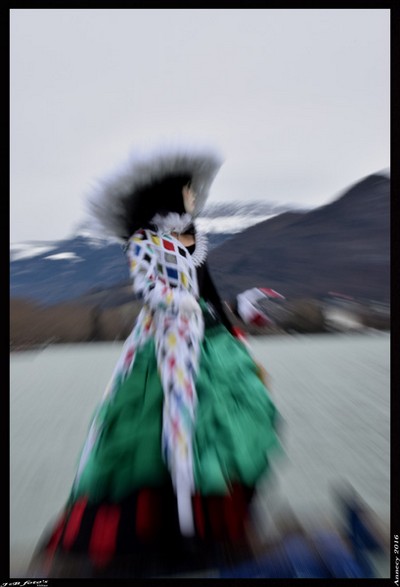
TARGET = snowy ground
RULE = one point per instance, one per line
(332, 391)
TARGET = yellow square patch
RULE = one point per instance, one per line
(133, 264)
(156, 240)
(172, 340)
(180, 376)
(184, 280)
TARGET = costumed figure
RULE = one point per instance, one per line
(186, 427)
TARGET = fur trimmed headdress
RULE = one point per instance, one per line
(151, 183)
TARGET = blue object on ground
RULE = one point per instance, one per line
(304, 560)
(294, 559)
(359, 532)
(338, 560)
(271, 566)
(361, 538)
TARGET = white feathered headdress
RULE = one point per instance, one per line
(149, 182)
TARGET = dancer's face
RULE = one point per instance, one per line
(189, 198)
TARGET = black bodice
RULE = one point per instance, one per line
(208, 290)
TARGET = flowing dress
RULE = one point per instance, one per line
(185, 428)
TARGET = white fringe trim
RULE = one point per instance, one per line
(174, 222)
(183, 487)
(201, 250)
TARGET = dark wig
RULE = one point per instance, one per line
(150, 184)
(162, 197)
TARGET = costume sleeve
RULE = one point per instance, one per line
(147, 282)
(210, 294)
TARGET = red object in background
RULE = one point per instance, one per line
(239, 333)
(271, 293)
(260, 320)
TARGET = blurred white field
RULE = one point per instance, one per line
(333, 392)
(334, 395)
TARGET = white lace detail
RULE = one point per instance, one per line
(172, 222)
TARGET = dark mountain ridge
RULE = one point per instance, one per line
(341, 246)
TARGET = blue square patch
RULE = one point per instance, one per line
(172, 273)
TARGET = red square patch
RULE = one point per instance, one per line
(167, 245)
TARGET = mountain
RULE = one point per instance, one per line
(342, 246)
(234, 217)
(84, 265)
(49, 273)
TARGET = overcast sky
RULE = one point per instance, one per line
(297, 101)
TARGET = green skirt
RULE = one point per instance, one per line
(234, 435)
